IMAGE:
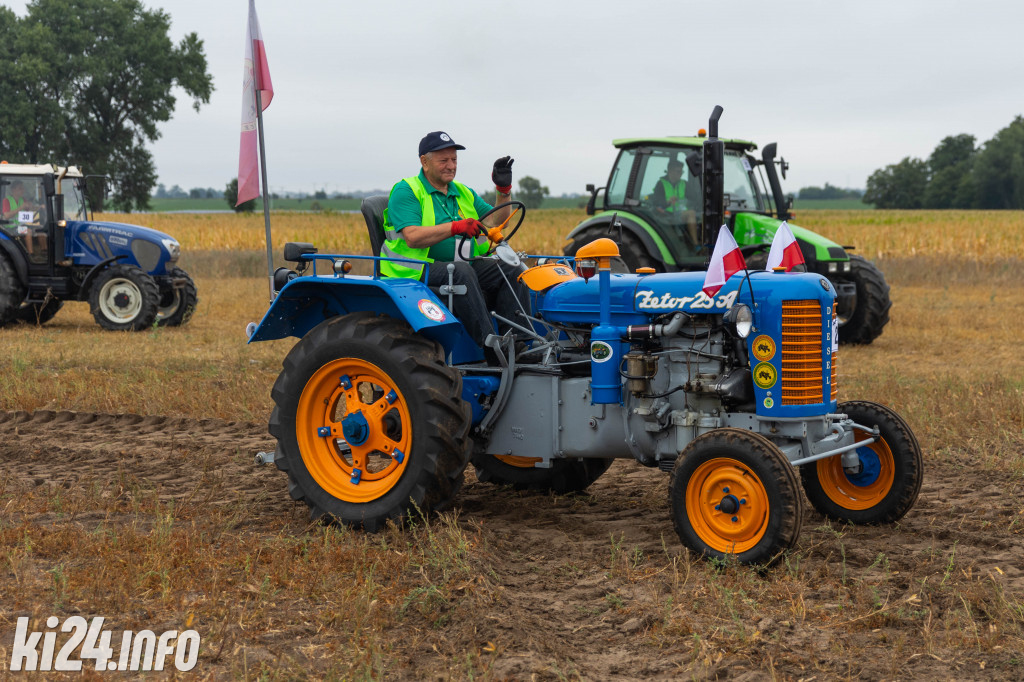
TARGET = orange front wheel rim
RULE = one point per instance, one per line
(354, 430)
(727, 505)
(865, 488)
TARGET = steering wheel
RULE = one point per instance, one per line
(497, 238)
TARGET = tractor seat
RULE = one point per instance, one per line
(372, 209)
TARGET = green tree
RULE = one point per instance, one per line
(900, 185)
(231, 195)
(999, 169)
(91, 82)
(531, 193)
(950, 164)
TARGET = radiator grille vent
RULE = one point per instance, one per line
(802, 354)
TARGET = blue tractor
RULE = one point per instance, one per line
(50, 252)
(385, 400)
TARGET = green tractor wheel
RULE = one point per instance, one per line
(862, 320)
(632, 254)
(369, 421)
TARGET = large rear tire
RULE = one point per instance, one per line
(124, 298)
(178, 304)
(890, 475)
(868, 313)
(734, 494)
(12, 293)
(564, 476)
(632, 254)
(369, 421)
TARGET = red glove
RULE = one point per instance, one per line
(468, 226)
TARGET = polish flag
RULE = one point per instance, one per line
(255, 77)
(785, 251)
(726, 260)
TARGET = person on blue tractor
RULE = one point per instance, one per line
(14, 201)
(430, 215)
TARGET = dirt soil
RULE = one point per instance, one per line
(597, 586)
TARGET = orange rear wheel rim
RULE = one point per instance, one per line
(518, 461)
(354, 430)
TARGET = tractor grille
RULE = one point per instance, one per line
(801, 354)
(835, 362)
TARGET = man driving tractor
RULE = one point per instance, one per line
(433, 218)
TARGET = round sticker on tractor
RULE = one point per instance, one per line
(764, 348)
(765, 375)
(769, 403)
(600, 351)
(431, 310)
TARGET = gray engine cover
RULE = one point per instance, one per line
(550, 417)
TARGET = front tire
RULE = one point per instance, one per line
(733, 493)
(868, 313)
(564, 476)
(177, 304)
(890, 475)
(369, 421)
(124, 298)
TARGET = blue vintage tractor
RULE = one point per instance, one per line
(385, 399)
(50, 252)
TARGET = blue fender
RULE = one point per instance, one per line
(305, 302)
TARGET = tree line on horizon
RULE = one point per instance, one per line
(958, 174)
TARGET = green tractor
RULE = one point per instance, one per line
(652, 206)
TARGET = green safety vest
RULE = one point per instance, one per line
(12, 206)
(395, 245)
(678, 191)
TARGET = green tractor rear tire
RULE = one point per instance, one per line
(632, 254)
(870, 312)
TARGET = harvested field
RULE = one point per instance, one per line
(127, 491)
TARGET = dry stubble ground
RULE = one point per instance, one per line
(127, 491)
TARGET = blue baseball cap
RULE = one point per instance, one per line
(437, 140)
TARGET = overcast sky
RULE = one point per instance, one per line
(844, 87)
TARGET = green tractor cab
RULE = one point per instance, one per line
(652, 206)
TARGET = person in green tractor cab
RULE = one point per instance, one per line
(669, 195)
(432, 217)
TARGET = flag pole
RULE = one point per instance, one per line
(266, 198)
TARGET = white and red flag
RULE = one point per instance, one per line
(255, 78)
(785, 252)
(726, 261)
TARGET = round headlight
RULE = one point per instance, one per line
(739, 320)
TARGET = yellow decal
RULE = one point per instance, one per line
(764, 348)
(765, 375)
